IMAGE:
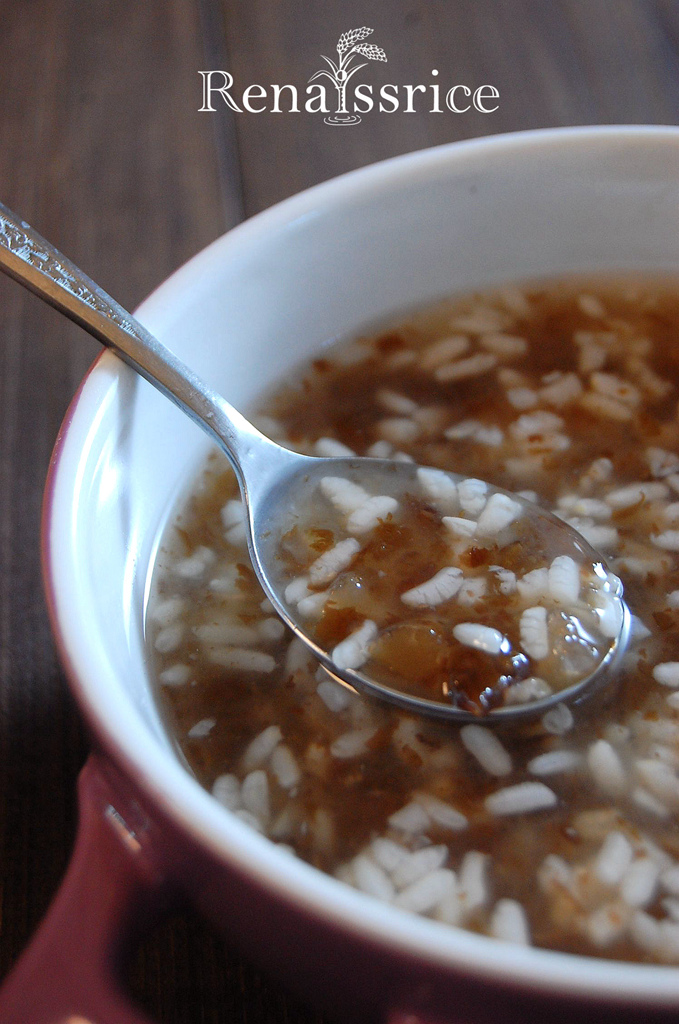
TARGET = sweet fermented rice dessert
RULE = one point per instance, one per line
(560, 832)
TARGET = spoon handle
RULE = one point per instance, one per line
(34, 263)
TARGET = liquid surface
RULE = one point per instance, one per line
(561, 833)
(446, 589)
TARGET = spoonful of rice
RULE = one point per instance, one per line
(437, 592)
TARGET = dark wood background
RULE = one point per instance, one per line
(102, 148)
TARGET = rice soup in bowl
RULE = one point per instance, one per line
(559, 832)
(458, 219)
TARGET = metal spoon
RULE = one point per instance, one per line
(272, 479)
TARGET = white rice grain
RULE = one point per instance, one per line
(423, 895)
(441, 813)
(604, 407)
(669, 879)
(499, 512)
(661, 462)
(333, 561)
(491, 436)
(534, 585)
(255, 795)
(473, 888)
(509, 923)
(523, 798)
(226, 789)
(285, 767)
(167, 610)
(249, 819)
(439, 489)
(472, 430)
(508, 346)
(671, 907)
(558, 720)
(297, 589)
(169, 638)
(635, 494)
(242, 659)
(387, 853)
(561, 389)
(441, 587)
(533, 632)
(472, 591)
(481, 638)
(297, 657)
(472, 495)
(564, 580)
(398, 430)
(225, 584)
(369, 515)
(648, 803)
(671, 512)
(462, 430)
(537, 423)
(343, 494)
(639, 884)
(460, 527)
(659, 778)
(193, 567)
(311, 607)
(667, 674)
(554, 874)
(607, 924)
(463, 369)
(394, 402)
(352, 744)
(331, 448)
(616, 388)
(354, 650)
(668, 540)
(412, 818)
(645, 932)
(669, 941)
(613, 858)
(418, 864)
(259, 749)
(606, 768)
(487, 749)
(226, 631)
(380, 450)
(481, 320)
(527, 690)
(554, 762)
(444, 351)
(592, 508)
(336, 697)
(176, 675)
(522, 398)
(233, 513)
(371, 879)
(201, 729)
(602, 537)
(506, 579)
(590, 305)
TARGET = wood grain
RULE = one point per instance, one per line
(564, 62)
(102, 148)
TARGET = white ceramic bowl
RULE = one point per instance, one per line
(259, 300)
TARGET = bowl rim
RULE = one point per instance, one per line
(160, 775)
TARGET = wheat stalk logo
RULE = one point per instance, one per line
(349, 44)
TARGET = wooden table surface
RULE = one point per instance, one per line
(103, 149)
